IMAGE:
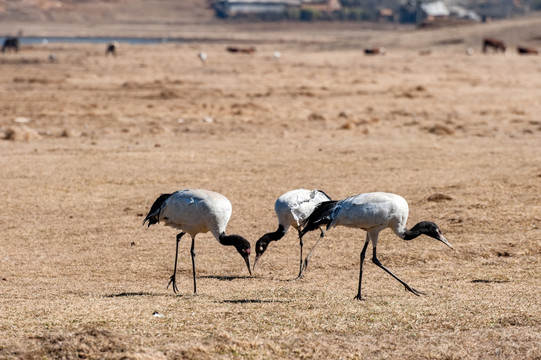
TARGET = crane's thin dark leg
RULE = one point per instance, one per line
(363, 253)
(173, 278)
(192, 251)
(409, 288)
(301, 243)
(310, 253)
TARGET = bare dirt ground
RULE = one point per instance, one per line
(89, 142)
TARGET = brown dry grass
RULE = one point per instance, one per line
(457, 136)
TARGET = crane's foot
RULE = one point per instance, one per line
(300, 276)
(358, 297)
(415, 292)
(173, 280)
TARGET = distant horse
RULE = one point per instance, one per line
(523, 50)
(493, 43)
(374, 51)
(246, 50)
(111, 49)
(11, 43)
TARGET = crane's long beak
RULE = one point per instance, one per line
(255, 261)
(247, 260)
(444, 240)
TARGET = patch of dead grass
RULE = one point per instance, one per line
(83, 278)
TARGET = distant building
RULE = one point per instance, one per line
(417, 11)
(463, 13)
(232, 8)
(435, 9)
(322, 5)
(386, 15)
(229, 8)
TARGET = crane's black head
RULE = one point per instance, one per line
(261, 246)
(241, 244)
(263, 242)
(430, 229)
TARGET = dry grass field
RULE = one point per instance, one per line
(89, 142)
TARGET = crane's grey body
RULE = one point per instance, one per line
(293, 207)
(197, 211)
(372, 212)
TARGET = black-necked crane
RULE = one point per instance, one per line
(372, 212)
(195, 211)
(292, 208)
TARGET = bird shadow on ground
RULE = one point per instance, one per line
(227, 301)
(133, 294)
(292, 279)
(251, 301)
(224, 278)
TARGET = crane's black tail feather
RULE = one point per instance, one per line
(153, 216)
(322, 215)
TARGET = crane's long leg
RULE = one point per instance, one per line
(192, 251)
(310, 253)
(363, 253)
(378, 263)
(173, 278)
(301, 243)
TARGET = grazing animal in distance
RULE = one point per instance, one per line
(493, 43)
(523, 50)
(111, 48)
(292, 208)
(372, 212)
(195, 211)
(375, 51)
(242, 50)
(11, 43)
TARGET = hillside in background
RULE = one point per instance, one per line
(108, 11)
(196, 11)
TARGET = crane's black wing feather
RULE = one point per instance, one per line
(153, 216)
(322, 215)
